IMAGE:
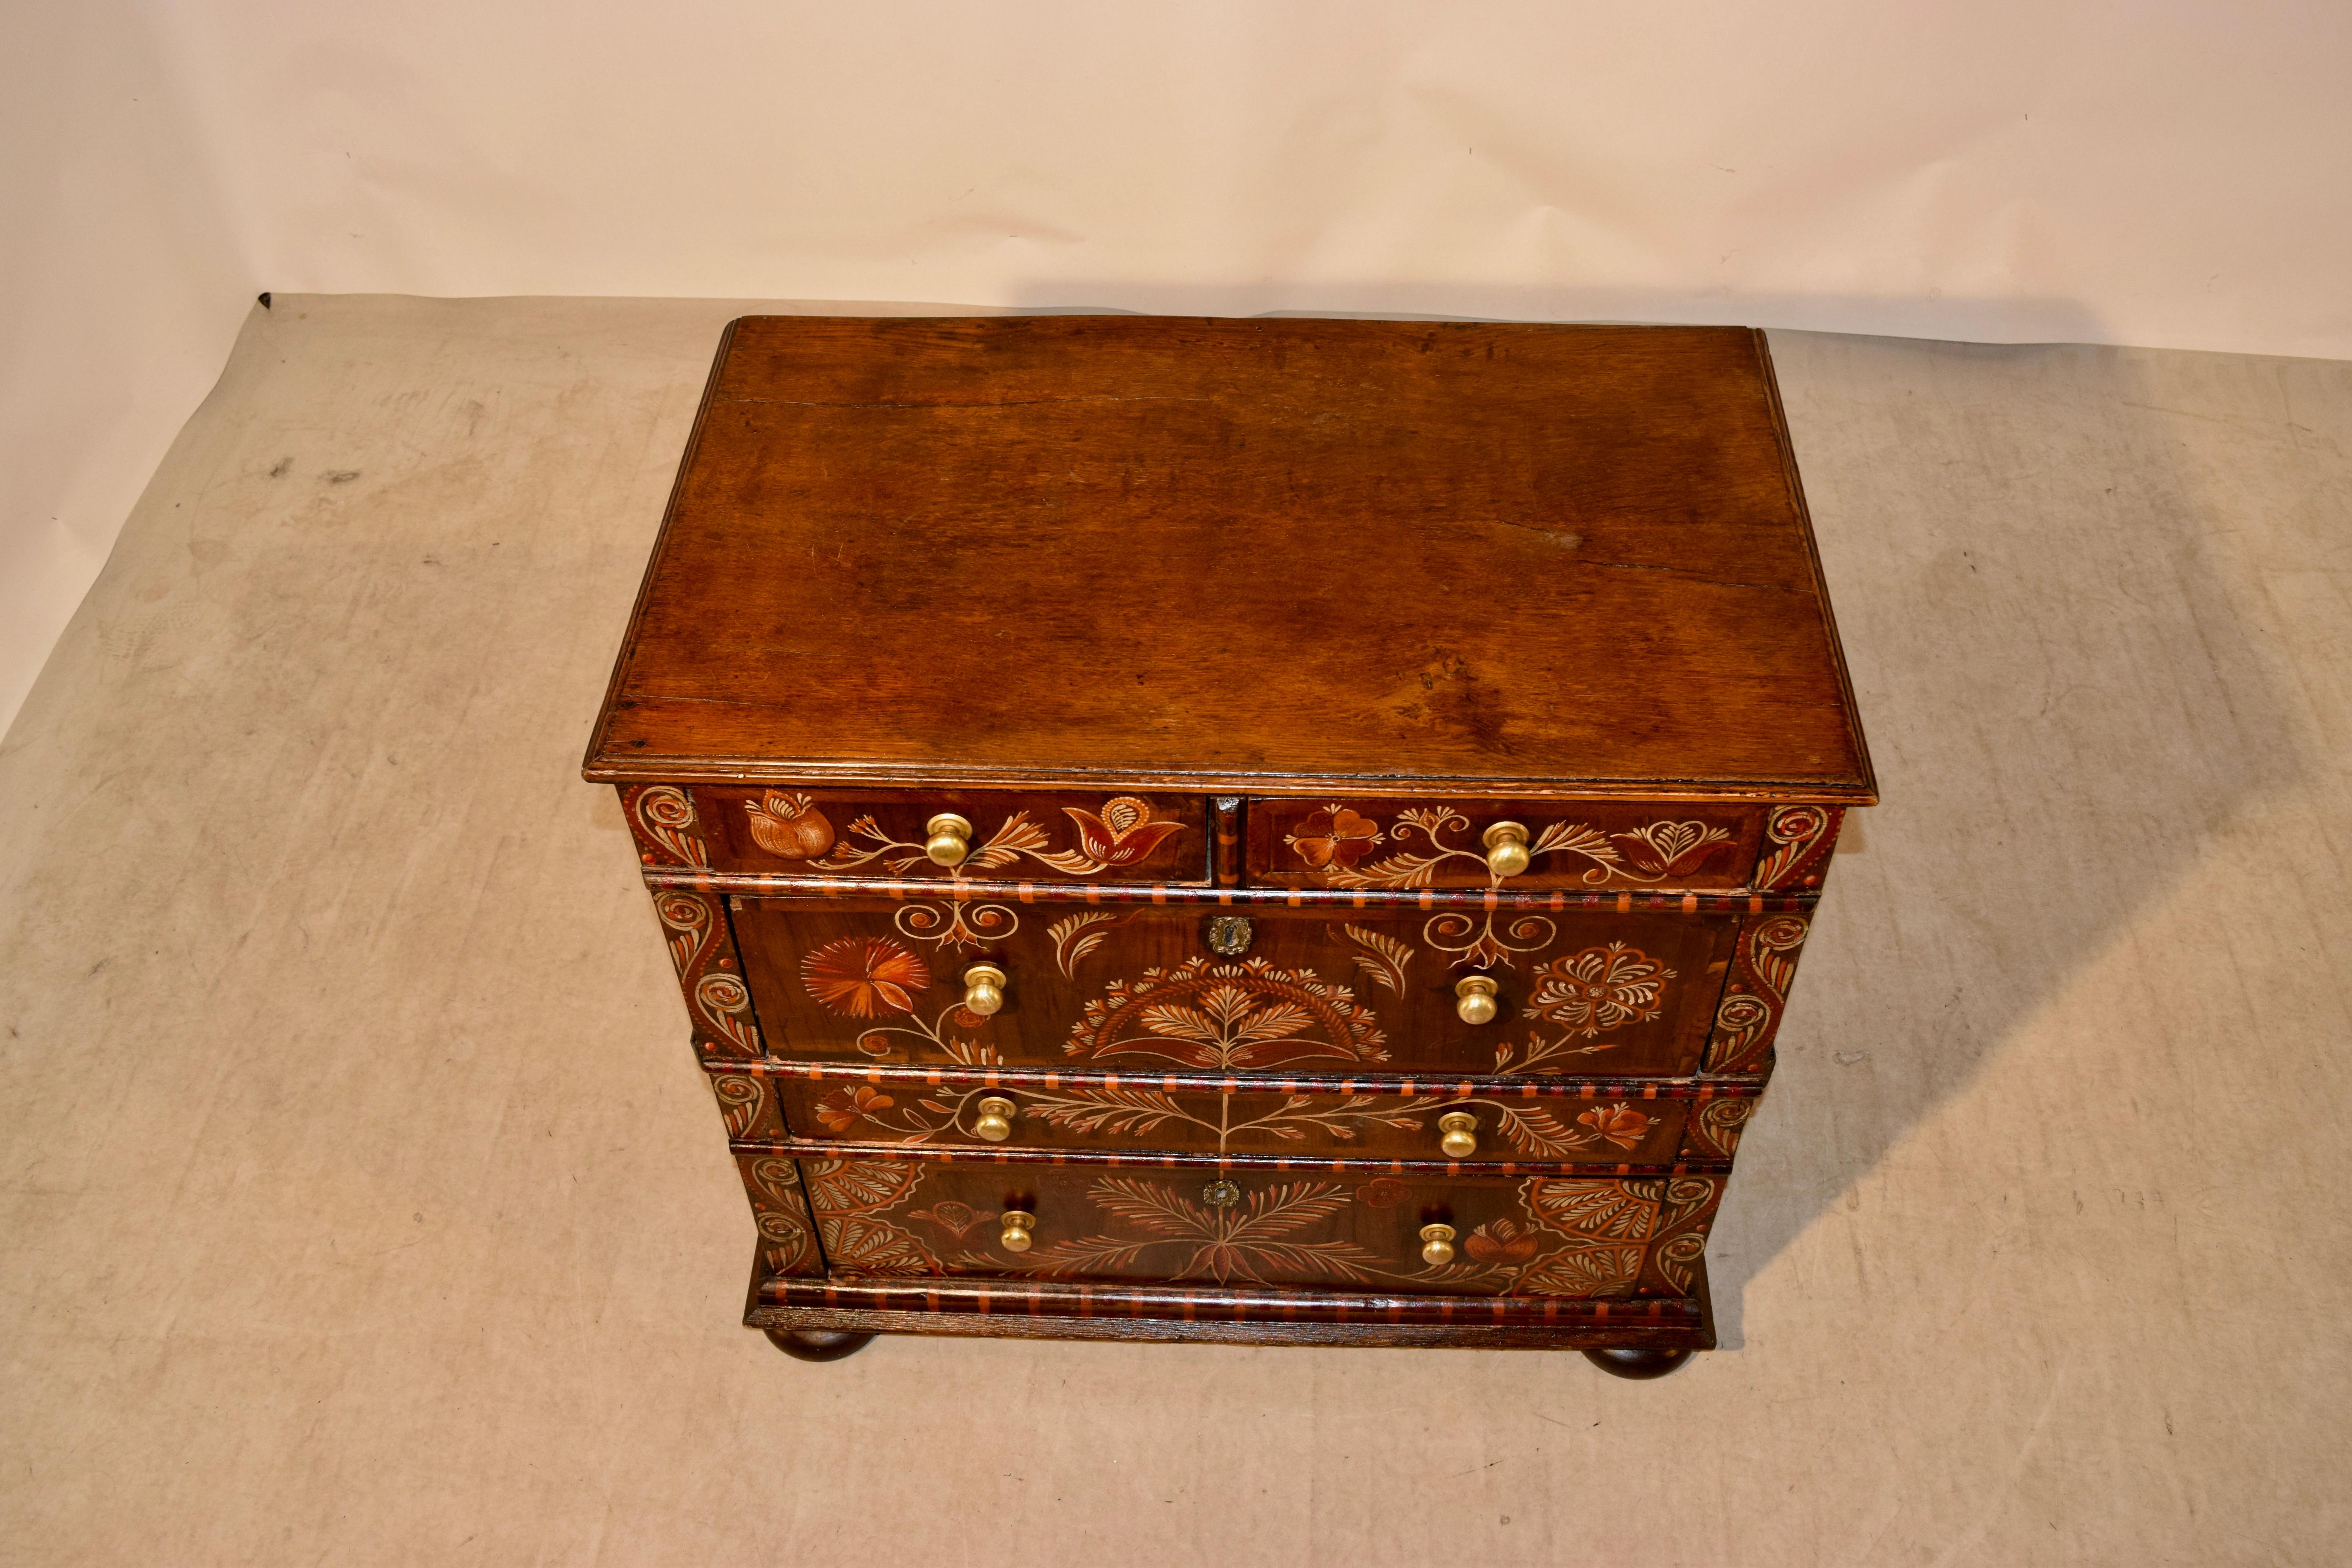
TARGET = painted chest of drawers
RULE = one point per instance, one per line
(1273, 830)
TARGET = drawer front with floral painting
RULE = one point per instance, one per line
(1435, 1233)
(943, 836)
(1513, 989)
(1613, 1126)
(1394, 845)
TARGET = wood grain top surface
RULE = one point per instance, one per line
(1238, 555)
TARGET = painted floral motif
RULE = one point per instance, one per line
(863, 977)
(1333, 837)
(1122, 833)
(956, 1219)
(1600, 988)
(789, 824)
(1247, 1241)
(1619, 1124)
(1479, 945)
(1205, 1012)
(848, 1197)
(1542, 1056)
(1665, 850)
(845, 1108)
(956, 923)
(1333, 840)
(1499, 1241)
(1078, 936)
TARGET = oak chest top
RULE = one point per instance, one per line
(1238, 555)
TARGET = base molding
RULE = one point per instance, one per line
(1021, 1310)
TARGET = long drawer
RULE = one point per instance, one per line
(1621, 1126)
(880, 1213)
(1271, 988)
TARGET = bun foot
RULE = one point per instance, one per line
(828, 1345)
(1637, 1364)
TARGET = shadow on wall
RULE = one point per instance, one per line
(1960, 319)
(2063, 699)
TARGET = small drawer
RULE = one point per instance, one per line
(1062, 1217)
(1609, 1126)
(1403, 845)
(943, 836)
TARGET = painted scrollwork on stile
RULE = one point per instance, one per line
(781, 1209)
(956, 924)
(1750, 1014)
(1800, 838)
(662, 818)
(1680, 1239)
(1123, 833)
(1715, 1129)
(716, 999)
(1331, 845)
(738, 1103)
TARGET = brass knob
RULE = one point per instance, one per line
(1507, 848)
(995, 1123)
(1014, 1236)
(950, 839)
(1437, 1245)
(1473, 999)
(983, 989)
(1461, 1139)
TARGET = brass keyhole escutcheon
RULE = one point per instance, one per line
(1461, 1134)
(1437, 1245)
(1229, 935)
(1507, 848)
(949, 839)
(995, 1119)
(1222, 1195)
(1017, 1224)
(1473, 999)
(983, 990)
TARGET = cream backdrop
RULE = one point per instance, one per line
(2169, 176)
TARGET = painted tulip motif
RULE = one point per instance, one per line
(1122, 833)
(1671, 848)
(1621, 1124)
(1498, 1241)
(789, 825)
